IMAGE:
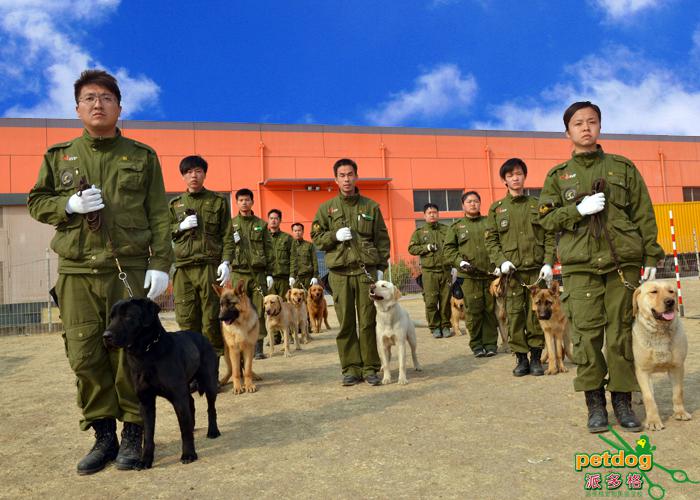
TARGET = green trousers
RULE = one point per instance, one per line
(254, 285)
(600, 309)
(524, 330)
(102, 375)
(280, 286)
(480, 317)
(357, 337)
(196, 302)
(436, 294)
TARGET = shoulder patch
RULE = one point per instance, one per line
(621, 159)
(556, 168)
(60, 145)
(177, 198)
(143, 146)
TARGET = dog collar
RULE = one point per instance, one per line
(153, 342)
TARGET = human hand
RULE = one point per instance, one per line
(314, 281)
(188, 222)
(156, 282)
(291, 281)
(649, 273)
(465, 266)
(380, 275)
(222, 273)
(432, 247)
(507, 267)
(546, 274)
(269, 281)
(88, 200)
(591, 204)
(343, 234)
(497, 272)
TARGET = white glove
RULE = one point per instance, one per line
(591, 204)
(88, 201)
(222, 273)
(432, 247)
(546, 274)
(507, 267)
(188, 222)
(465, 266)
(291, 281)
(236, 237)
(380, 275)
(649, 273)
(270, 281)
(497, 271)
(314, 281)
(156, 282)
(343, 234)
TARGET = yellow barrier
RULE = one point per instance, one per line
(686, 216)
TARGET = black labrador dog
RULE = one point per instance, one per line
(163, 364)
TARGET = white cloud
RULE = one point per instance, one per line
(620, 9)
(437, 93)
(635, 96)
(41, 58)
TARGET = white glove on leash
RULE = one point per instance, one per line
(497, 272)
(649, 273)
(188, 222)
(507, 267)
(222, 272)
(432, 247)
(269, 281)
(591, 204)
(89, 200)
(291, 281)
(314, 281)
(380, 275)
(343, 234)
(465, 266)
(546, 274)
(156, 282)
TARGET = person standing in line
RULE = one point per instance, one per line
(304, 264)
(281, 250)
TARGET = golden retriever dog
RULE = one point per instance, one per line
(297, 298)
(659, 345)
(458, 313)
(279, 317)
(239, 328)
(394, 327)
(497, 289)
(318, 309)
(547, 305)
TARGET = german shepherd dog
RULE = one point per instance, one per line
(240, 326)
(497, 289)
(163, 364)
(547, 305)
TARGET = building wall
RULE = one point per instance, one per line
(280, 163)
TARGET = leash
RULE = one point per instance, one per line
(352, 245)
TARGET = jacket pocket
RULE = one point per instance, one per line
(587, 308)
(574, 247)
(68, 241)
(131, 235)
(131, 177)
(627, 240)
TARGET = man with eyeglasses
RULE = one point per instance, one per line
(104, 193)
(465, 249)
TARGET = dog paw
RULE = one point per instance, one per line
(550, 371)
(682, 415)
(188, 458)
(213, 433)
(250, 388)
(654, 425)
(288, 354)
(237, 389)
(402, 381)
(386, 381)
(418, 368)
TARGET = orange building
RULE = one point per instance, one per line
(289, 167)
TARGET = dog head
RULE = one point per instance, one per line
(231, 302)
(316, 293)
(296, 296)
(272, 305)
(655, 300)
(457, 303)
(383, 290)
(544, 300)
(133, 324)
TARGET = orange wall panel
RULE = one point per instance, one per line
(339, 145)
(170, 165)
(454, 146)
(650, 171)
(437, 173)
(306, 205)
(5, 168)
(22, 141)
(399, 171)
(679, 150)
(58, 135)
(555, 150)
(313, 168)
(536, 172)
(23, 172)
(690, 173)
(634, 150)
(175, 143)
(245, 172)
(503, 148)
(402, 203)
(293, 143)
(279, 167)
(227, 142)
(366, 168)
(410, 146)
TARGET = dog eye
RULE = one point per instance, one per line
(653, 291)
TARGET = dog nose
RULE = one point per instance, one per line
(670, 303)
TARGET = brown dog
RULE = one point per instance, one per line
(547, 305)
(318, 309)
(659, 344)
(297, 297)
(239, 327)
(279, 317)
(498, 290)
(458, 313)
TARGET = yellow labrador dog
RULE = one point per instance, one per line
(279, 317)
(394, 327)
(659, 344)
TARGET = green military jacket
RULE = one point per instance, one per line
(135, 224)
(255, 248)
(430, 233)
(303, 260)
(515, 234)
(628, 213)
(281, 250)
(370, 238)
(465, 240)
(211, 241)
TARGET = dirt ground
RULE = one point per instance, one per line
(462, 428)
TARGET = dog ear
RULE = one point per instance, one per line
(239, 287)
(554, 287)
(397, 293)
(534, 290)
(152, 309)
(635, 297)
(288, 295)
(218, 289)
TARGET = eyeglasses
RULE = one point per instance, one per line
(91, 99)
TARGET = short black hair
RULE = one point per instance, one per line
(244, 192)
(194, 161)
(509, 165)
(343, 162)
(469, 193)
(97, 77)
(430, 205)
(275, 211)
(297, 224)
(575, 107)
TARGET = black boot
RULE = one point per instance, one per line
(129, 457)
(523, 367)
(535, 365)
(622, 406)
(597, 412)
(104, 450)
(259, 354)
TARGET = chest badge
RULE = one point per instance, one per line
(504, 223)
(570, 194)
(67, 178)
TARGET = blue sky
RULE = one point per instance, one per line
(471, 64)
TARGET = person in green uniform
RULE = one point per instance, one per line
(427, 242)
(104, 194)
(601, 206)
(252, 257)
(525, 253)
(304, 264)
(281, 250)
(200, 225)
(351, 230)
(465, 249)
